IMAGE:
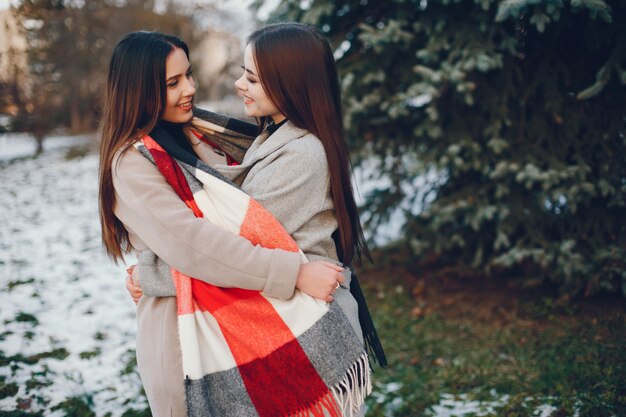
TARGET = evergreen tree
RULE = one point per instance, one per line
(498, 127)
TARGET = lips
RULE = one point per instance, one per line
(185, 106)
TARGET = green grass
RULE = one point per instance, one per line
(566, 361)
(90, 354)
(7, 389)
(59, 353)
(80, 406)
(13, 284)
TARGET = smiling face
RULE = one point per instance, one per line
(180, 88)
(255, 101)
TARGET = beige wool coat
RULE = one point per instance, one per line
(287, 173)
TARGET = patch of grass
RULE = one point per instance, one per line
(131, 363)
(60, 353)
(575, 365)
(90, 354)
(8, 390)
(100, 336)
(78, 151)
(25, 318)
(138, 413)
(33, 384)
(39, 379)
(80, 406)
(13, 284)
(18, 413)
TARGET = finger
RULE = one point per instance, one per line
(330, 299)
(135, 276)
(332, 266)
(129, 284)
(133, 289)
(341, 279)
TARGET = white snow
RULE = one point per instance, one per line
(50, 235)
(460, 405)
(21, 145)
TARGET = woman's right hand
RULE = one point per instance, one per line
(320, 279)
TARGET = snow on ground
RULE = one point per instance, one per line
(459, 405)
(57, 288)
(20, 145)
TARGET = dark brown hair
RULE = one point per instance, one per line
(134, 101)
(298, 73)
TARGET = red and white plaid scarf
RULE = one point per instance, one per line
(245, 354)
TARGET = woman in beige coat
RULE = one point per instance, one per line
(150, 83)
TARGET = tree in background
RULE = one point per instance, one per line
(69, 46)
(13, 62)
(497, 128)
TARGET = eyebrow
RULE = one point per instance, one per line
(178, 75)
(248, 71)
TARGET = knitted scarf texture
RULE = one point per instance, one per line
(245, 354)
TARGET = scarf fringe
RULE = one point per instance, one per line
(326, 406)
(351, 391)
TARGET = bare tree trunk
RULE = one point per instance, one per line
(75, 119)
(39, 137)
(87, 122)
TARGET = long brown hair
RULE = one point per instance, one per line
(298, 73)
(134, 101)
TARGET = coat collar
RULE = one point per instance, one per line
(265, 145)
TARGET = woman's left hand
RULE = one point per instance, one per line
(133, 289)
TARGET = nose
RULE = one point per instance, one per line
(240, 83)
(190, 87)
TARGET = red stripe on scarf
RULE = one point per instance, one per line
(172, 173)
(267, 353)
(244, 315)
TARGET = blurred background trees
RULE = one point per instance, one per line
(68, 44)
(494, 128)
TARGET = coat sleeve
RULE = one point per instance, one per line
(149, 208)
